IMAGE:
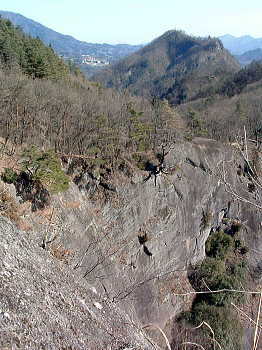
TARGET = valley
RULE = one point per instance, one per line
(130, 203)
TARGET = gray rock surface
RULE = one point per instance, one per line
(135, 245)
(44, 306)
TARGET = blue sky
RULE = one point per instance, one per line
(140, 21)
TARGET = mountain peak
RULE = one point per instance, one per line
(227, 36)
(242, 44)
(246, 37)
(165, 67)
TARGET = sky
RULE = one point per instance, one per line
(141, 21)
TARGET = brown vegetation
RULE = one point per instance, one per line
(8, 205)
(77, 117)
(175, 66)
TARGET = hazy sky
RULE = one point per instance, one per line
(140, 21)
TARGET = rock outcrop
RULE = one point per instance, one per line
(135, 245)
(44, 306)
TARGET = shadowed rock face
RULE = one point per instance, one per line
(43, 306)
(136, 247)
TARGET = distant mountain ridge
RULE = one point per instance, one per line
(66, 45)
(240, 45)
(71, 48)
(175, 66)
(249, 56)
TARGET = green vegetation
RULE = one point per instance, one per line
(42, 168)
(213, 95)
(217, 274)
(71, 116)
(230, 105)
(196, 124)
(40, 175)
(219, 245)
(30, 54)
(9, 176)
(82, 118)
(226, 326)
(140, 159)
(68, 46)
(45, 168)
(139, 131)
(236, 84)
(223, 269)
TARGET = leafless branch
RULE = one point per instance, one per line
(218, 291)
(161, 331)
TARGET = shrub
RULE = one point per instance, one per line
(239, 271)
(140, 160)
(234, 228)
(217, 275)
(240, 247)
(227, 330)
(219, 244)
(9, 176)
(219, 271)
(45, 168)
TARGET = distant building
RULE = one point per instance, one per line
(87, 59)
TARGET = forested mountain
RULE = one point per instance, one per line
(66, 45)
(201, 76)
(65, 111)
(249, 56)
(175, 66)
(230, 106)
(29, 54)
(240, 45)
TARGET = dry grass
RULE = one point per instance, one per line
(162, 333)
(60, 252)
(12, 210)
(257, 333)
(9, 159)
(72, 204)
(8, 205)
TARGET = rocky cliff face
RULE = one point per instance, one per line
(44, 306)
(134, 242)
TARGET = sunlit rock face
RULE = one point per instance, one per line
(44, 306)
(134, 241)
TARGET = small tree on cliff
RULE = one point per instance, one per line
(45, 168)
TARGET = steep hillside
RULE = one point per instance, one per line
(175, 66)
(230, 106)
(29, 54)
(236, 82)
(66, 45)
